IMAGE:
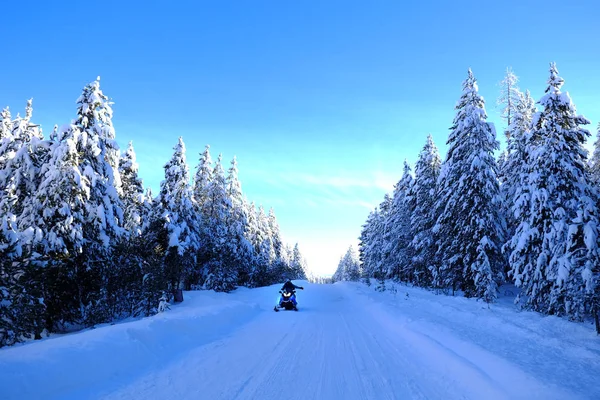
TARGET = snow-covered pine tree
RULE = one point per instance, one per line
(221, 265)
(509, 98)
(279, 268)
(594, 163)
(364, 245)
(349, 267)
(133, 192)
(265, 251)
(397, 236)
(372, 248)
(104, 210)
(202, 180)
(275, 233)
(241, 248)
(251, 232)
(422, 219)
(298, 264)
(515, 167)
(103, 214)
(95, 113)
(177, 220)
(24, 154)
(468, 229)
(149, 250)
(9, 248)
(339, 271)
(555, 247)
(59, 211)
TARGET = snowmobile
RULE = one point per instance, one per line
(287, 301)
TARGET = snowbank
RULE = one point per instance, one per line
(79, 363)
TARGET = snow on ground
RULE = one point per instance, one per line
(347, 341)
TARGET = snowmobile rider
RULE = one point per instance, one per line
(289, 287)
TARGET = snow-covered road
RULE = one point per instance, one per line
(346, 342)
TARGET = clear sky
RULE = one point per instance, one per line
(321, 101)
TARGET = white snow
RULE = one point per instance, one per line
(347, 341)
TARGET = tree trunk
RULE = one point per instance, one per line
(177, 295)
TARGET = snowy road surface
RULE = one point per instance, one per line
(346, 342)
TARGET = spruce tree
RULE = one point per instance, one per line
(468, 229)
(240, 247)
(594, 162)
(177, 221)
(554, 255)
(202, 179)
(221, 267)
(423, 217)
(298, 264)
(397, 236)
(59, 211)
(510, 97)
(513, 172)
(348, 268)
(133, 192)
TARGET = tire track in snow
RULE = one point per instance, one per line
(480, 374)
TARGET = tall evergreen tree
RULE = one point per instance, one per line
(594, 162)
(372, 247)
(515, 167)
(397, 235)
(202, 180)
(240, 246)
(94, 114)
(554, 255)
(133, 192)
(349, 267)
(510, 97)
(275, 233)
(19, 173)
(298, 262)
(59, 212)
(468, 229)
(177, 220)
(423, 217)
(222, 267)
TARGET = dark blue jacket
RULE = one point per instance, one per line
(289, 286)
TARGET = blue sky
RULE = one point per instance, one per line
(321, 101)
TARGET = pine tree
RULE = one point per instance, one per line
(372, 248)
(95, 115)
(20, 157)
(397, 237)
(103, 214)
(133, 192)
(423, 217)
(60, 214)
(515, 168)
(554, 255)
(468, 229)
(510, 97)
(348, 268)
(203, 179)
(177, 220)
(222, 268)
(298, 262)
(240, 247)
(24, 154)
(594, 162)
(275, 233)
